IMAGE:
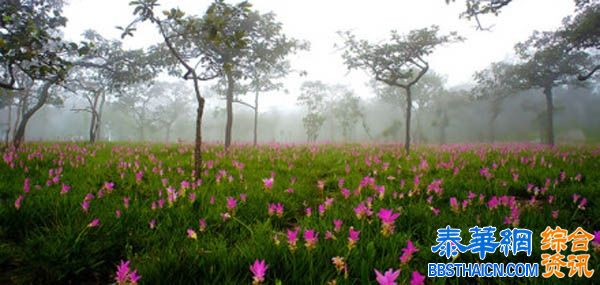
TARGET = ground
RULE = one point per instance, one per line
(70, 213)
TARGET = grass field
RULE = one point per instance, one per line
(70, 213)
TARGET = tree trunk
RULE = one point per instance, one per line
(42, 98)
(229, 124)
(443, 126)
(255, 138)
(8, 124)
(549, 116)
(198, 142)
(408, 110)
(168, 127)
(99, 118)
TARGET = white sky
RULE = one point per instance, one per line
(318, 21)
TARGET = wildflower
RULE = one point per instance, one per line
(225, 216)
(435, 211)
(18, 202)
(268, 183)
(202, 224)
(138, 176)
(329, 235)
(192, 234)
(310, 238)
(109, 186)
(408, 252)
(339, 263)
(292, 237)
(308, 212)
(152, 224)
(337, 225)
(26, 185)
(124, 275)
(94, 223)
(192, 197)
(345, 192)
(388, 278)
(417, 279)
(259, 268)
(555, 214)
(289, 190)
(454, 204)
(118, 213)
(231, 204)
(362, 211)
(493, 202)
(321, 185)
(582, 204)
(596, 240)
(65, 189)
(353, 237)
(321, 209)
(276, 209)
(388, 218)
(243, 197)
(126, 202)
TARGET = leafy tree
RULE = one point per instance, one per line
(346, 110)
(313, 95)
(400, 62)
(185, 46)
(494, 84)
(30, 42)
(548, 64)
(582, 32)
(140, 102)
(256, 66)
(113, 69)
(475, 8)
(172, 104)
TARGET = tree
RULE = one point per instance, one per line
(548, 64)
(113, 69)
(476, 8)
(260, 62)
(172, 104)
(581, 32)
(140, 101)
(494, 84)
(30, 42)
(313, 95)
(346, 110)
(400, 62)
(185, 41)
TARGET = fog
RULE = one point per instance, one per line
(452, 113)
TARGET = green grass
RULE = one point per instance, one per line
(47, 240)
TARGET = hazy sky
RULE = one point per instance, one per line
(318, 21)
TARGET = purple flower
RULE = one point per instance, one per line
(387, 216)
(268, 182)
(337, 225)
(18, 202)
(388, 278)
(310, 237)
(94, 223)
(231, 204)
(259, 268)
(408, 252)
(417, 279)
(292, 237)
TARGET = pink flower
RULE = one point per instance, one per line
(555, 214)
(231, 204)
(268, 182)
(65, 188)
(138, 176)
(329, 235)
(152, 224)
(26, 185)
(292, 237)
(345, 192)
(388, 278)
(435, 211)
(202, 224)
(310, 237)
(582, 204)
(109, 186)
(596, 240)
(18, 202)
(387, 216)
(362, 211)
(408, 252)
(575, 197)
(417, 279)
(124, 275)
(192, 234)
(337, 225)
(126, 202)
(454, 203)
(276, 209)
(259, 268)
(94, 223)
(308, 212)
(353, 237)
